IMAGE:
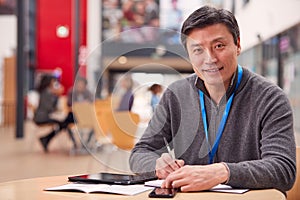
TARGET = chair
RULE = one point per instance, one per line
(122, 128)
(85, 119)
(294, 193)
(102, 109)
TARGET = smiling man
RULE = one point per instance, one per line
(224, 123)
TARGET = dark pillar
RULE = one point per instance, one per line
(279, 62)
(20, 70)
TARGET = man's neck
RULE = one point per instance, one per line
(216, 92)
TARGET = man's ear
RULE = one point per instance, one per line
(238, 47)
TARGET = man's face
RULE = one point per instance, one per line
(213, 54)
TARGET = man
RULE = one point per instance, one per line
(224, 123)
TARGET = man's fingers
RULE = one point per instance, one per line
(180, 163)
(174, 164)
(166, 165)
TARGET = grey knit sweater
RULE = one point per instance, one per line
(257, 144)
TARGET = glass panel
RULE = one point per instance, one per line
(252, 59)
(292, 87)
(290, 52)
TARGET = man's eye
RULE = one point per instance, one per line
(197, 51)
(219, 46)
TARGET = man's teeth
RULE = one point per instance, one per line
(212, 70)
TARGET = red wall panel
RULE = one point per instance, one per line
(83, 36)
(52, 51)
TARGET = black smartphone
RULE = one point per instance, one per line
(163, 193)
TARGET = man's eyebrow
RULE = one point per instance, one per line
(195, 45)
(219, 39)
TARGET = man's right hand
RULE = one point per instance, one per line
(165, 165)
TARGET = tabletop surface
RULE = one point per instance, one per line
(32, 189)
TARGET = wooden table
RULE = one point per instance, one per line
(32, 189)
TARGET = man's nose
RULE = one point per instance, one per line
(210, 56)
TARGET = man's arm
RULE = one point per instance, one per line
(276, 168)
(151, 145)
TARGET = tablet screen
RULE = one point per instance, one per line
(111, 178)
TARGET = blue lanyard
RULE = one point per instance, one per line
(212, 152)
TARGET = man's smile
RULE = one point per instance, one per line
(213, 70)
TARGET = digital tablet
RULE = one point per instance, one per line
(111, 178)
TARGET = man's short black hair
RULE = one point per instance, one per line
(206, 16)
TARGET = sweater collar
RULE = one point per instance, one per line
(199, 83)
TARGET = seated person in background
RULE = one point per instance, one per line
(49, 92)
(78, 93)
(224, 123)
(127, 98)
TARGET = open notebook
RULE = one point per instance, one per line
(101, 188)
(218, 188)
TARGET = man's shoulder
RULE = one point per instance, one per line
(258, 79)
(182, 87)
(185, 81)
(260, 83)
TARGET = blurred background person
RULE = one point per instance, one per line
(175, 16)
(151, 13)
(78, 93)
(49, 92)
(155, 90)
(127, 98)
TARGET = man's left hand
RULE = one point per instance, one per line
(197, 177)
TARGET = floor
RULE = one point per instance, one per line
(25, 158)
